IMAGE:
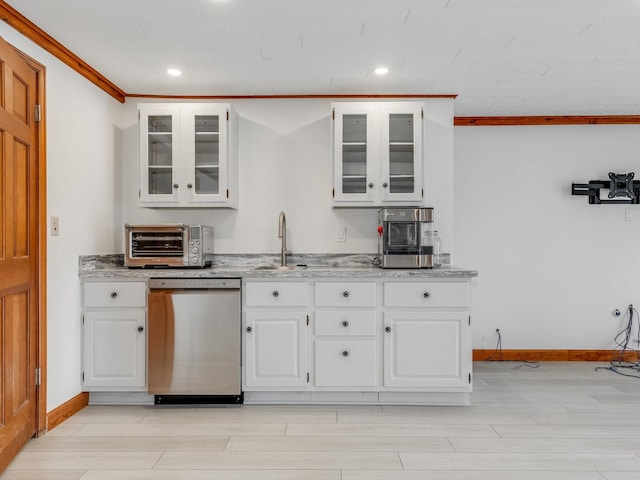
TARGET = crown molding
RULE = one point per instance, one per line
(547, 120)
(34, 33)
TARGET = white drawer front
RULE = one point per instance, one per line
(273, 294)
(345, 363)
(345, 294)
(115, 294)
(409, 294)
(345, 322)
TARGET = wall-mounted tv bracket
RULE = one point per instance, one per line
(619, 185)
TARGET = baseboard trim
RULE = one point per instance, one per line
(69, 408)
(553, 355)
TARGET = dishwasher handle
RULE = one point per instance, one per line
(195, 283)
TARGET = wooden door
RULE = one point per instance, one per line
(20, 197)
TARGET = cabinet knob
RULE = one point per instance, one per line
(371, 185)
(189, 186)
(387, 329)
(114, 294)
(345, 324)
(426, 294)
(140, 329)
(345, 353)
(175, 186)
(249, 329)
(345, 294)
(385, 185)
(275, 293)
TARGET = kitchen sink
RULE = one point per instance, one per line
(281, 267)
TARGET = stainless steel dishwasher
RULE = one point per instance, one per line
(194, 340)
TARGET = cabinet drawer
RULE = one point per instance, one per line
(343, 294)
(431, 294)
(115, 294)
(345, 322)
(345, 363)
(272, 294)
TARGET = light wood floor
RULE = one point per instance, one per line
(558, 421)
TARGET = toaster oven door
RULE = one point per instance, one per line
(151, 246)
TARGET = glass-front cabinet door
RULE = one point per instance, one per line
(354, 141)
(377, 153)
(159, 144)
(401, 154)
(206, 128)
(184, 155)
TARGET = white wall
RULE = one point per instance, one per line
(552, 267)
(285, 164)
(82, 141)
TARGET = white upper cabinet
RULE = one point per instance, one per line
(377, 153)
(187, 155)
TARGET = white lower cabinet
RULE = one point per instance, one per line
(426, 349)
(369, 340)
(427, 335)
(114, 349)
(275, 349)
(114, 336)
(275, 334)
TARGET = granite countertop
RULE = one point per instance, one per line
(249, 266)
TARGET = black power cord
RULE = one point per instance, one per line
(623, 340)
(498, 350)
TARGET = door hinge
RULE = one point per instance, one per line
(38, 113)
(307, 377)
(38, 376)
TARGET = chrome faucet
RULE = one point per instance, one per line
(282, 233)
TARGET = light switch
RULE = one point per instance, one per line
(55, 226)
(341, 234)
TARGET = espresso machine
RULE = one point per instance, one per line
(406, 238)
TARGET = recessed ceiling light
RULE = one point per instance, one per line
(174, 72)
(381, 70)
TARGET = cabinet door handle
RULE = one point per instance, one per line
(175, 186)
(387, 329)
(345, 324)
(426, 294)
(140, 329)
(249, 329)
(189, 186)
(385, 185)
(345, 353)
(275, 293)
(371, 185)
(114, 294)
(345, 294)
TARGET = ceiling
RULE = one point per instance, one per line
(501, 57)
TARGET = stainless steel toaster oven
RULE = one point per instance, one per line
(168, 246)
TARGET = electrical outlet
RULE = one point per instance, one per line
(55, 226)
(629, 214)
